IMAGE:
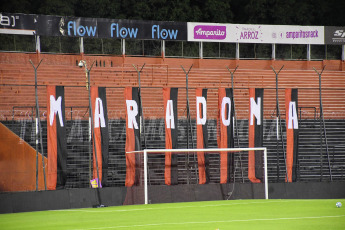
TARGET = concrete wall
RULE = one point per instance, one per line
(85, 198)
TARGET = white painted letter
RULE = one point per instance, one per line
(169, 115)
(226, 121)
(255, 109)
(99, 113)
(292, 115)
(202, 101)
(55, 107)
(132, 112)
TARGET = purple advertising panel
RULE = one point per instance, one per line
(213, 32)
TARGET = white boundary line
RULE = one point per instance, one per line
(211, 222)
(146, 208)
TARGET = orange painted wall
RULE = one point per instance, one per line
(117, 72)
(18, 164)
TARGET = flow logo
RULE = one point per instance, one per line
(164, 33)
(122, 32)
(72, 29)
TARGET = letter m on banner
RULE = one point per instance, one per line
(56, 143)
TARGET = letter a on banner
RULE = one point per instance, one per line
(56, 143)
(225, 137)
(255, 134)
(202, 135)
(101, 142)
(291, 105)
(132, 135)
(170, 111)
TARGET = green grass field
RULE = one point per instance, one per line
(232, 214)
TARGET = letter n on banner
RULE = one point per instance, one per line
(56, 131)
(291, 105)
(225, 137)
(170, 111)
(101, 141)
(202, 135)
(132, 135)
(255, 134)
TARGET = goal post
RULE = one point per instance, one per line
(144, 154)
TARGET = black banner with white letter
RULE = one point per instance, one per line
(56, 138)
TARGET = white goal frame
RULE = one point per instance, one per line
(145, 151)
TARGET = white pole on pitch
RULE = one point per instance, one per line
(266, 177)
(145, 177)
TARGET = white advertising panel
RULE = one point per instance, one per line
(242, 33)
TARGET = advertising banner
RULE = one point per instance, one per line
(334, 35)
(242, 33)
(23, 24)
(49, 25)
(111, 28)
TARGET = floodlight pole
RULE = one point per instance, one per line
(188, 119)
(279, 121)
(141, 113)
(236, 128)
(38, 130)
(324, 126)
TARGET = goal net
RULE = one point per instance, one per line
(227, 166)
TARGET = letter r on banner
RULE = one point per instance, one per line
(132, 111)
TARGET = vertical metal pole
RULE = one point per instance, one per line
(38, 44)
(123, 46)
(141, 114)
(308, 52)
(163, 48)
(81, 45)
(324, 125)
(93, 131)
(90, 148)
(91, 117)
(280, 122)
(201, 55)
(273, 51)
(38, 131)
(188, 122)
(236, 127)
(237, 51)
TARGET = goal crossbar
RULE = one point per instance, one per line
(181, 151)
